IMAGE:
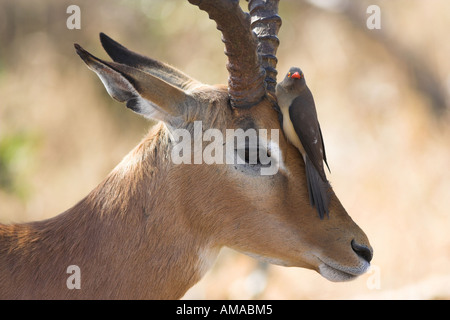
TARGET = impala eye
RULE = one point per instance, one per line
(247, 156)
(253, 156)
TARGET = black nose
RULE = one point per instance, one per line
(363, 251)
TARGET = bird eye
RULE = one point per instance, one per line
(289, 74)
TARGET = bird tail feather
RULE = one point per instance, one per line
(317, 189)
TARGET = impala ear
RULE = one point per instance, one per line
(115, 83)
(143, 93)
(120, 54)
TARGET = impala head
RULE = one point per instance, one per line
(232, 204)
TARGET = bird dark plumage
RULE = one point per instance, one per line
(302, 128)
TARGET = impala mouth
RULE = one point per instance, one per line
(338, 273)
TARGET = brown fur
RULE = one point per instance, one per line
(151, 229)
(142, 231)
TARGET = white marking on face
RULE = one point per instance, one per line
(275, 152)
(334, 275)
(334, 271)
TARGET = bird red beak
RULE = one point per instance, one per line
(296, 75)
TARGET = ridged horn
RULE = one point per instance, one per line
(246, 83)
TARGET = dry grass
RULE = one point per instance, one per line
(388, 153)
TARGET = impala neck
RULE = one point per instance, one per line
(119, 236)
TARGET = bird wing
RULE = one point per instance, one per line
(304, 119)
(323, 148)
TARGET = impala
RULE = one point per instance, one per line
(153, 227)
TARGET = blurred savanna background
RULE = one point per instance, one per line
(383, 99)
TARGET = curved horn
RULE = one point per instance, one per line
(246, 76)
(266, 23)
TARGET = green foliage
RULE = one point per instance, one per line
(17, 155)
